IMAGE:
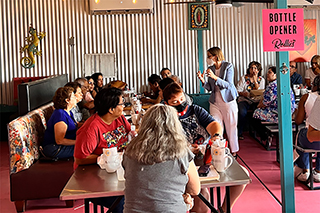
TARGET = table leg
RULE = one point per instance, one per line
(207, 203)
(95, 208)
(218, 197)
(86, 205)
(115, 203)
(211, 196)
(228, 199)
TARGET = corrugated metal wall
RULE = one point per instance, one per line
(143, 43)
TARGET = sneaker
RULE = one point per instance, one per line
(297, 170)
(303, 177)
(241, 137)
(316, 176)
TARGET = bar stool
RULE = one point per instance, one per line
(309, 182)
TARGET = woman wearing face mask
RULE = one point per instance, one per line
(223, 105)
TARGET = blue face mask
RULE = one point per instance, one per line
(181, 107)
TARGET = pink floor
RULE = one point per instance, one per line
(255, 199)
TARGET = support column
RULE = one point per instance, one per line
(285, 126)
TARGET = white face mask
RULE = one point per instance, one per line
(209, 62)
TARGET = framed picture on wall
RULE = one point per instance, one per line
(199, 16)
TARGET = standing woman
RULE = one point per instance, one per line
(60, 135)
(251, 81)
(98, 81)
(159, 167)
(223, 104)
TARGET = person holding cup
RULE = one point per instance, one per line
(107, 128)
(159, 169)
(199, 126)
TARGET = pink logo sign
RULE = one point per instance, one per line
(283, 29)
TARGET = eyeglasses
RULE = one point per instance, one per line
(291, 66)
(90, 82)
(313, 62)
(122, 104)
(254, 68)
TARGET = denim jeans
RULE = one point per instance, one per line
(56, 152)
(303, 160)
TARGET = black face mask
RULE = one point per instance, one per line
(181, 107)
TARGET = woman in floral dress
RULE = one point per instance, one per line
(268, 106)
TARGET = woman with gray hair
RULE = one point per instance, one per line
(159, 167)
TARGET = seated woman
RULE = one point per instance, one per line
(77, 114)
(98, 81)
(313, 71)
(159, 167)
(268, 106)
(91, 94)
(306, 104)
(251, 81)
(60, 135)
(154, 98)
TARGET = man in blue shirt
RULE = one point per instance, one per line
(295, 78)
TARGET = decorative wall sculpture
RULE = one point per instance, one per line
(31, 48)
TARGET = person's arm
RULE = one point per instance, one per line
(91, 159)
(228, 81)
(193, 186)
(308, 82)
(213, 128)
(301, 113)
(89, 105)
(60, 130)
(313, 134)
(261, 105)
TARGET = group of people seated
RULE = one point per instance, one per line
(89, 117)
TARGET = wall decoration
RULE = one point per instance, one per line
(310, 43)
(199, 16)
(31, 48)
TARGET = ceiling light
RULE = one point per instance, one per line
(223, 3)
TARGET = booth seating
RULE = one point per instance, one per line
(309, 182)
(30, 177)
(201, 100)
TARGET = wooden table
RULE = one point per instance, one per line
(92, 182)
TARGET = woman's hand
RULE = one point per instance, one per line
(211, 74)
(201, 76)
(244, 94)
(188, 200)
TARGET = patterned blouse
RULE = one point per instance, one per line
(270, 112)
(245, 85)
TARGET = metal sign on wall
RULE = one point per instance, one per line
(199, 16)
(283, 29)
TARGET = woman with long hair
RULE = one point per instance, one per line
(159, 167)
